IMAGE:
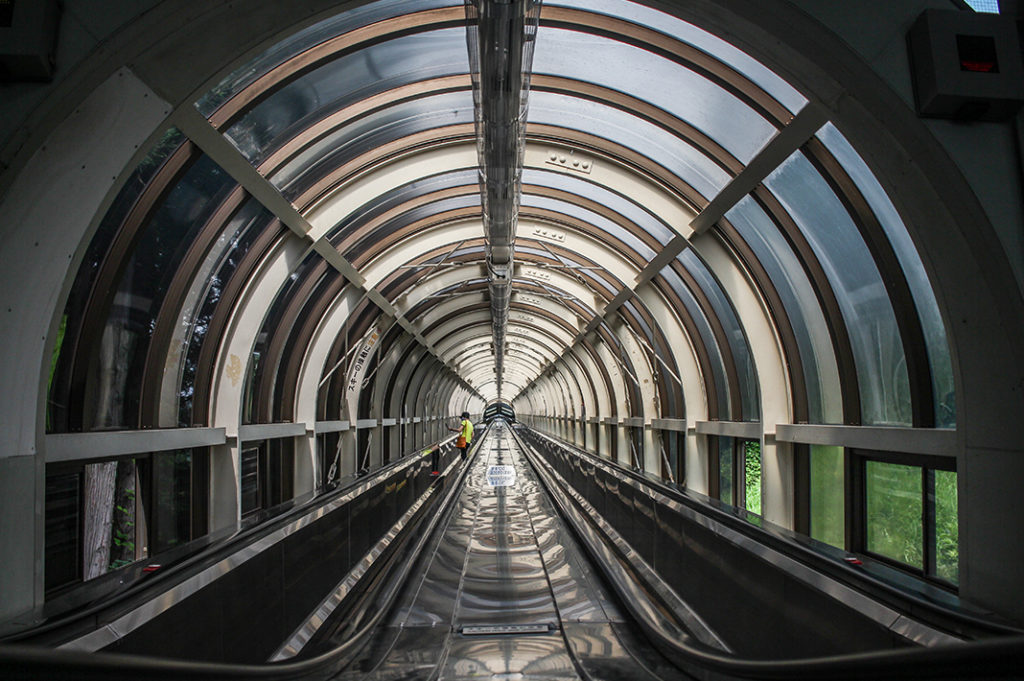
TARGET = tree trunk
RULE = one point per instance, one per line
(99, 506)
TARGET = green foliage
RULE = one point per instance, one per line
(752, 475)
(894, 512)
(54, 359)
(947, 539)
(828, 506)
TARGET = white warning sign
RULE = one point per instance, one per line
(501, 476)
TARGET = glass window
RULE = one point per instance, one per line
(367, 133)
(910, 262)
(344, 80)
(253, 411)
(207, 289)
(266, 477)
(947, 536)
(686, 161)
(828, 485)
(622, 205)
(675, 448)
(860, 291)
(651, 77)
(172, 500)
(63, 505)
(599, 221)
(250, 479)
(750, 401)
(161, 247)
(752, 475)
(307, 38)
(329, 452)
(802, 308)
(62, 415)
(895, 507)
(690, 34)
(102, 516)
(725, 469)
(707, 337)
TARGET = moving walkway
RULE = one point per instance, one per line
(532, 560)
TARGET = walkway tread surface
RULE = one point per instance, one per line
(503, 592)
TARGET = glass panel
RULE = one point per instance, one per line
(113, 522)
(602, 223)
(250, 477)
(650, 77)
(160, 249)
(257, 361)
(862, 296)
(636, 214)
(752, 475)
(828, 505)
(688, 33)
(737, 339)
(59, 409)
(350, 20)
(346, 80)
(354, 225)
(947, 533)
(621, 127)
(172, 500)
(913, 270)
(207, 288)
(794, 288)
(706, 336)
(329, 449)
(395, 198)
(894, 512)
(367, 133)
(62, 520)
(279, 471)
(725, 469)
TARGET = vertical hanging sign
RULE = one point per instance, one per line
(357, 370)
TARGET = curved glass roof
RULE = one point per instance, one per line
(364, 124)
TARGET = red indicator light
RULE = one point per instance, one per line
(979, 66)
(977, 53)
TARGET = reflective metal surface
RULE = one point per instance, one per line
(503, 593)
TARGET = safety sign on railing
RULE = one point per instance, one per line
(501, 476)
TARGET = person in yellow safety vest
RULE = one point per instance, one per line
(465, 431)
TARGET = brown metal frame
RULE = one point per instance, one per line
(735, 243)
(167, 317)
(898, 289)
(700, 350)
(666, 46)
(848, 382)
(104, 287)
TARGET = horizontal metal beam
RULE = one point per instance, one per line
(933, 441)
(106, 444)
(270, 431)
(743, 429)
(330, 426)
(677, 425)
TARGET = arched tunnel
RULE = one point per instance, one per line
(711, 274)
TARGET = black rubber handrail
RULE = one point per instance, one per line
(989, 659)
(208, 554)
(20, 662)
(851, 576)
